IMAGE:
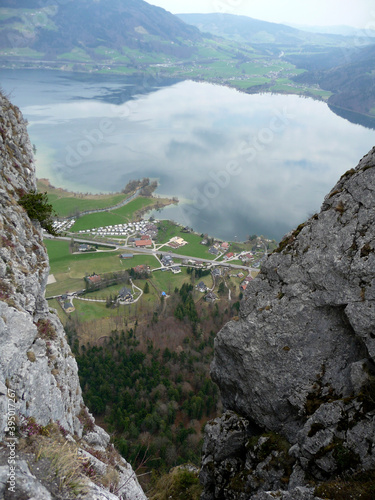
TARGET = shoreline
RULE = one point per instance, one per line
(160, 203)
(141, 188)
(251, 89)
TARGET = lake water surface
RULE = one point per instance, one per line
(240, 164)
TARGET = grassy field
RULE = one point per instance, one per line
(160, 281)
(71, 205)
(75, 55)
(70, 269)
(127, 213)
(61, 260)
(92, 221)
(166, 281)
(95, 319)
(112, 53)
(21, 52)
(64, 284)
(248, 83)
(236, 262)
(105, 318)
(130, 210)
(90, 311)
(168, 229)
(59, 257)
(194, 247)
(321, 93)
(211, 52)
(66, 202)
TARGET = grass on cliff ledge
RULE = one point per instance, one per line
(178, 483)
(361, 485)
(60, 465)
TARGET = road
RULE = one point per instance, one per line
(74, 295)
(154, 252)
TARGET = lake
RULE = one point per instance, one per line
(240, 164)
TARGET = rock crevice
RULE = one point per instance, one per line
(36, 363)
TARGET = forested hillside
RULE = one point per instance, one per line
(149, 384)
(349, 75)
(58, 27)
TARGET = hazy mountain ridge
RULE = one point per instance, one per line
(248, 30)
(337, 30)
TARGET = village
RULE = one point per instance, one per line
(134, 239)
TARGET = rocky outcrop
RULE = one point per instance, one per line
(297, 368)
(38, 373)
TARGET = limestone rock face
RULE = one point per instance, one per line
(36, 363)
(299, 362)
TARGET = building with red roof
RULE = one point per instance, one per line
(143, 243)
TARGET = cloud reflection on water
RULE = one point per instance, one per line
(185, 134)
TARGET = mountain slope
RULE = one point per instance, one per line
(133, 37)
(241, 28)
(351, 78)
(245, 29)
(339, 64)
(53, 28)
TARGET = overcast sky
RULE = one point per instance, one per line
(357, 13)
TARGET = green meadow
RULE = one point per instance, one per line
(127, 213)
(168, 229)
(69, 206)
(70, 269)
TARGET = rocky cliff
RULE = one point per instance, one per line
(296, 371)
(42, 413)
